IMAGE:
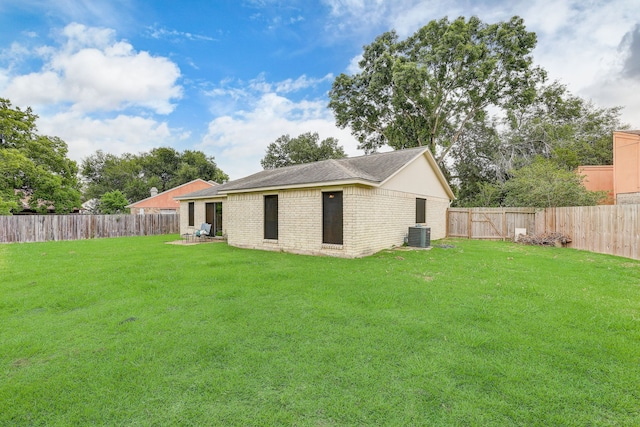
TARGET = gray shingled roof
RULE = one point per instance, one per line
(207, 192)
(374, 168)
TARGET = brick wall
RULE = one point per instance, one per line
(243, 215)
(199, 215)
(373, 219)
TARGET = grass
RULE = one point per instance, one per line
(134, 332)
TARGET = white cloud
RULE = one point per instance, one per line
(359, 17)
(157, 32)
(240, 140)
(618, 92)
(354, 64)
(302, 82)
(92, 71)
(15, 53)
(122, 134)
(259, 84)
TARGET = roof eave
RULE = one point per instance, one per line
(216, 196)
(336, 183)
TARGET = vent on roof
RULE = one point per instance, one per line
(419, 237)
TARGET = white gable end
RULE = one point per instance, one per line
(417, 177)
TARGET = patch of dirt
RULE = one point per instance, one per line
(21, 363)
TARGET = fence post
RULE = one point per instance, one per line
(504, 225)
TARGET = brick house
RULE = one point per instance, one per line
(622, 179)
(599, 178)
(164, 203)
(350, 207)
(626, 166)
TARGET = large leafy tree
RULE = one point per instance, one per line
(305, 148)
(133, 175)
(33, 168)
(105, 172)
(168, 168)
(561, 126)
(544, 184)
(474, 166)
(565, 129)
(427, 89)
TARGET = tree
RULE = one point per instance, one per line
(163, 168)
(560, 126)
(305, 148)
(544, 184)
(161, 163)
(105, 172)
(424, 91)
(34, 168)
(474, 171)
(113, 202)
(195, 164)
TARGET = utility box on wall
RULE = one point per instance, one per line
(419, 237)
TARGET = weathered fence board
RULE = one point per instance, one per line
(611, 229)
(41, 228)
(489, 223)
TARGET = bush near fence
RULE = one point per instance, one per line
(41, 228)
(610, 229)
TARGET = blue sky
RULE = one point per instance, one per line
(229, 77)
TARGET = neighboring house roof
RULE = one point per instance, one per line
(165, 200)
(373, 169)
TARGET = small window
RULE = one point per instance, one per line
(421, 209)
(271, 217)
(191, 214)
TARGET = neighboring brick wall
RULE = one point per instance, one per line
(628, 198)
(374, 219)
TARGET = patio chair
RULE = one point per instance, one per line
(204, 231)
(193, 235)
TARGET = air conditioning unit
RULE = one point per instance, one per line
(419, 237)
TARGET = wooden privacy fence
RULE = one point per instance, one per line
(611, 229)
(488, 223)
(41, 228)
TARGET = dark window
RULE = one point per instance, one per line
(213, 216)
(421, 209)
(332, 217)
(271, 217)
(209, 211)
(218, 218)
(191, 214)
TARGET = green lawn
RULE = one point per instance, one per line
(132, 331)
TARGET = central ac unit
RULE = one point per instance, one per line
(419, 237)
